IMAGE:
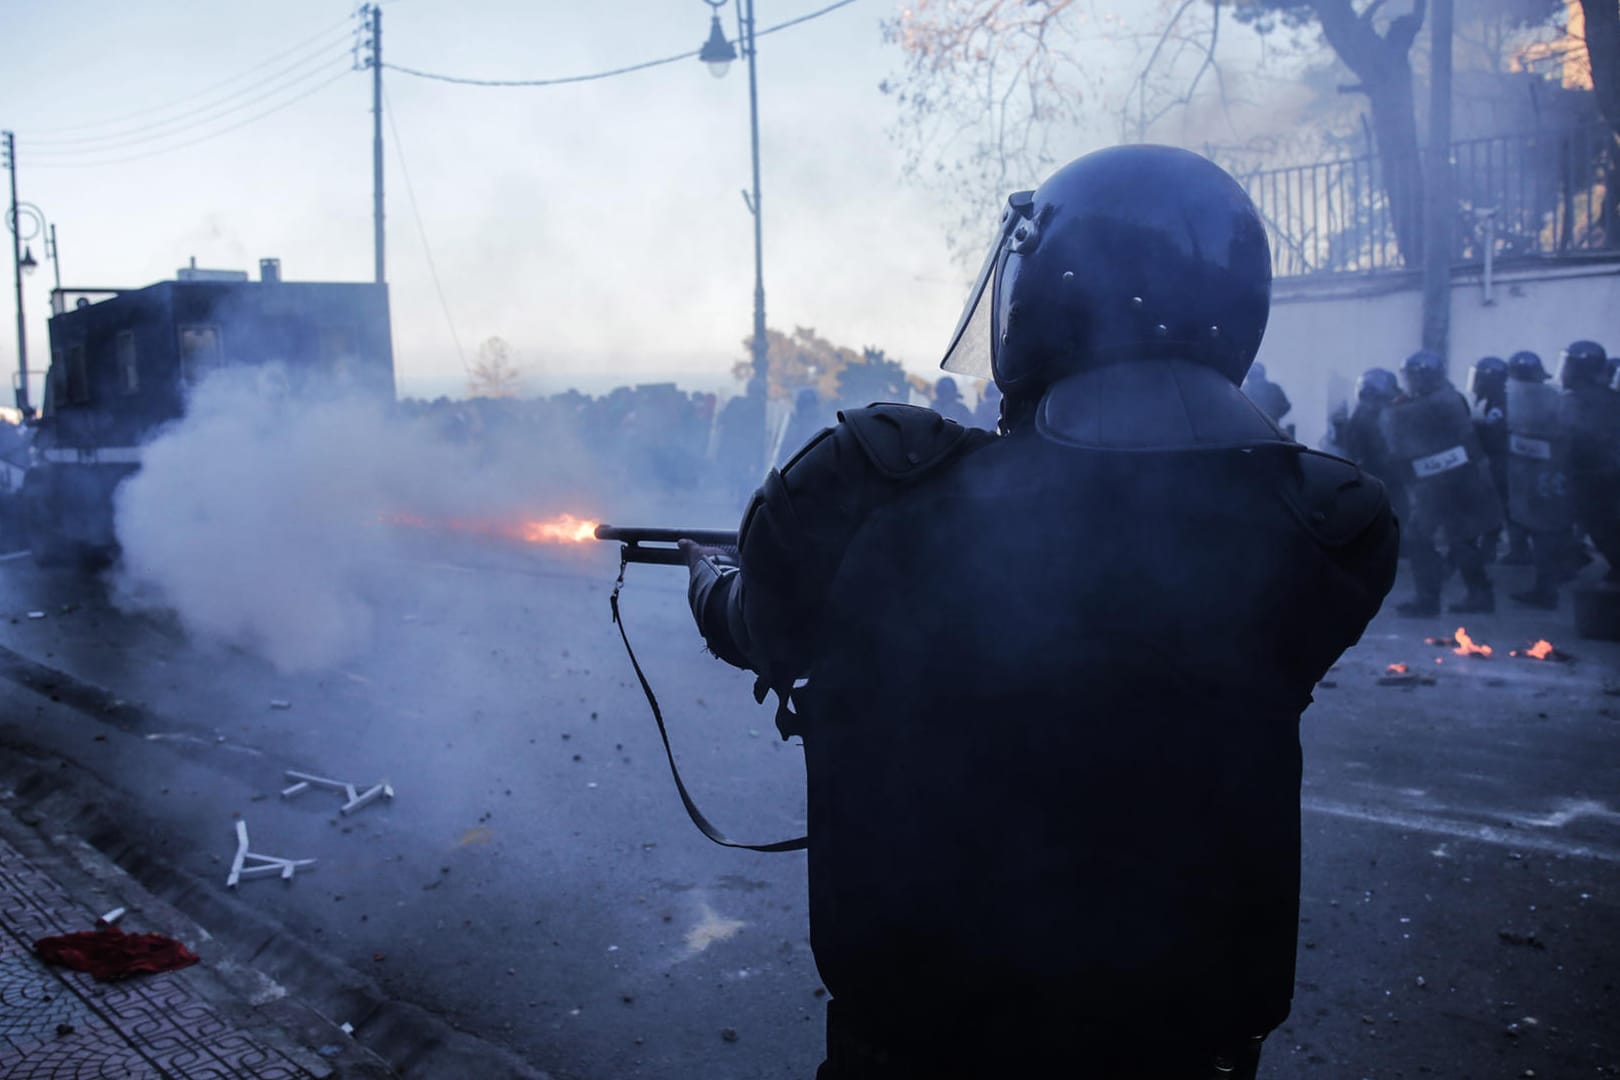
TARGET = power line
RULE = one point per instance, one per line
(416, 212)
(219, 110)
(604, 74)
(138, 113)
(201, 139)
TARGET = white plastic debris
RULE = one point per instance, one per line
(111, 917)
(347, 1028)
(36, 614)
(356, 797)
(261, 864)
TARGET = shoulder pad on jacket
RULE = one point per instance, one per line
(903, 441)
(1334, 499)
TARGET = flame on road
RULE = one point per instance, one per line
(1541, 650)
(1395, 669)
(1467, 647)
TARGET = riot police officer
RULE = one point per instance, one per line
(1538, 496)
(949, 404)
(1270, 397)
(1591, 416)
(1147, 580)
(1487, 387)
(1376, 390)
(1430, 433)
(987, 413)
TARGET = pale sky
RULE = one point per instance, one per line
(597, 227)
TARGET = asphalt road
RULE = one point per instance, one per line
(536, 882)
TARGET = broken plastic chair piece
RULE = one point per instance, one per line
(356, 797)
(261, 864)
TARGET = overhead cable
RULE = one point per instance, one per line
(416, 212)
(191, 121)
(602, 74)
(200, 139)
(54, 134)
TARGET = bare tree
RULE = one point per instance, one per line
(1602, 22)
(986, 84)
(493, 374)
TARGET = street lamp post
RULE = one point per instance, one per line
(22, 262)
(718, 53)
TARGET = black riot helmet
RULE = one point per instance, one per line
(1377, 384)
(1488, 378)
(1127, 253)
(1424, 372)
(1525, 366)
(1584, 364)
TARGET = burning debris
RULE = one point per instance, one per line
(1461, 644)
(1402, 675)
(1542, 650)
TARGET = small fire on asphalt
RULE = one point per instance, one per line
(1461, 644)
(1542, 650)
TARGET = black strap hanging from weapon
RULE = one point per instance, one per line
(798, 843)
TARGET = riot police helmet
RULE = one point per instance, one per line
(945, 389)
(1424, 372)
(1377, 384)
(1129, 253)
(1525, 366)
(1488, 377)
(1584, 364)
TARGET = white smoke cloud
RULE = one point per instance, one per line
(260, 519)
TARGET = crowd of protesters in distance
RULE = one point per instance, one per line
(660, 437)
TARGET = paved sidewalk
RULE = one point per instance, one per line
(55, 1022)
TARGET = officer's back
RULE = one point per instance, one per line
(1086, 785)
(1049, 681)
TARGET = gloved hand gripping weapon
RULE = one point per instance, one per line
(659, 547)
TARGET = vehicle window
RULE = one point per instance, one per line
(336, 351)
(53, 382)
(129, 376)
(200, 351)
(78, 376)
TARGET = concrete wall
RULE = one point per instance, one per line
(1324, 333)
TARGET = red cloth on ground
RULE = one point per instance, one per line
(109, 953)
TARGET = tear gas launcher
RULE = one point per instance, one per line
(657, 546)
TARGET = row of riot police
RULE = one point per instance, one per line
(1538, 456)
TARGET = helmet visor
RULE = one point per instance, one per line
(971, 351)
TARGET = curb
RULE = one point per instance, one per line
(60, 806)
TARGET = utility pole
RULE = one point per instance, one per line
(1440, 207)
(761, 344)
(376, 140)
(16, 267)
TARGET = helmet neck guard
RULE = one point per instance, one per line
(1153, 405)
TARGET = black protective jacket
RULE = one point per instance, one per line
(1054, 684)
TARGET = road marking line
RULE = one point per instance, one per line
(1485, 834)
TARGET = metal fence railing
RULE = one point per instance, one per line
(1544, 194)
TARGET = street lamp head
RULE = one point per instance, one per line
(28, 262)
(717, 52)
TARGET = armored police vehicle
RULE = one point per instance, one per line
(123, 363)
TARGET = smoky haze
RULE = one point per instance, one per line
(269, 519)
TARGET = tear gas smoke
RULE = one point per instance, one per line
(260, 519)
